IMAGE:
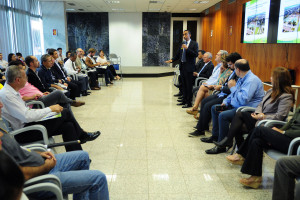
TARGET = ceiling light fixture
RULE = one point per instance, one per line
(70, 9)
(112, 1)
(197, 2)
(154, 9)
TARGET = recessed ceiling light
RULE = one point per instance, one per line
(190, 9)
(154, 9)
(201, 1)
(161, 2)
(71, 4)
(112, 1)
(70, 9)
(117, 9)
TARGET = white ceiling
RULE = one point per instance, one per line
(173, 6)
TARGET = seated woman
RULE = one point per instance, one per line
(103, 62)
(275, 105)
(11, 57)
(250, 154)
(203, 91)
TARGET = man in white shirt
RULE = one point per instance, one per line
(19, 115)
(3, 63)
(71, 69)
(61, 57)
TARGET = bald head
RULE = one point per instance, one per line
(242, 64)
(79, 52)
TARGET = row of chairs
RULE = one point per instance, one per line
(45, 183)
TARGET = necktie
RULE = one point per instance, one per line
(183, 59)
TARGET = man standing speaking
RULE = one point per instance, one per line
(187, 55)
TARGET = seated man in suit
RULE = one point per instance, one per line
(71, 69)
(61, 76)
(18, 115)
(41, 78)
(72, 169)
(208, 102)
(204, 66)
(247, 91)
(93, 75)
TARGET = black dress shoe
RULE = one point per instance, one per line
(181, 104)
(187, 105)
(177, 85)
(84, 93)
(88, 136)
(178, 94)
(197, 133)
(216, 150)
(180, 100)
(224, 143)
(208, 139)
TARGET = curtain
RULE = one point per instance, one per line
(21, 28)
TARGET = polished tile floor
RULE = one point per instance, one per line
(145, 151)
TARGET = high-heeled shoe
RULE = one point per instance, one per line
(224, 143)
(252, 181)
(236, 159)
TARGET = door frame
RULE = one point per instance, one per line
(185, 19)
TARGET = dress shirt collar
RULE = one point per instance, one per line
(11, 89)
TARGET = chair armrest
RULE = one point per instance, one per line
(248, 109)
(198, 80)
(298, 151)
(270, 123)
(43, 178)
(40, 128)
(37, 147)
(42, 187)
(241, 108)
(294, 142)
(35, 103)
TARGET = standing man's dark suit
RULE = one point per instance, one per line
(187, 55)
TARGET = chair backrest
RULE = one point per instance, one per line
(113, 56)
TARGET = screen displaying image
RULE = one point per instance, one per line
(256, 21)
(288, 24)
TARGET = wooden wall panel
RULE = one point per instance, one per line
(262, 57)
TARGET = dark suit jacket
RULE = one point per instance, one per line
(199, 65)
(46, 76)
(207, 71)
(292, 128)
(58, 72)
(191, 54)
(225, 87)
(35, 80)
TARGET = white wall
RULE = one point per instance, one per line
(54, 17)
(125, 37)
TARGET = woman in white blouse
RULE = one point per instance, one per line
(103, 62)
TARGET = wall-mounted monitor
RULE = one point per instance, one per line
(256, 21)
(289, 22)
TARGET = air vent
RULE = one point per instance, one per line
(231, 1)
(81, 9)
(217, 6)
(71, 4)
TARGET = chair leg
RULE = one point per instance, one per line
(233, 148)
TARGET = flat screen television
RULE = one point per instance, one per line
(256, 21)
(289, 22)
